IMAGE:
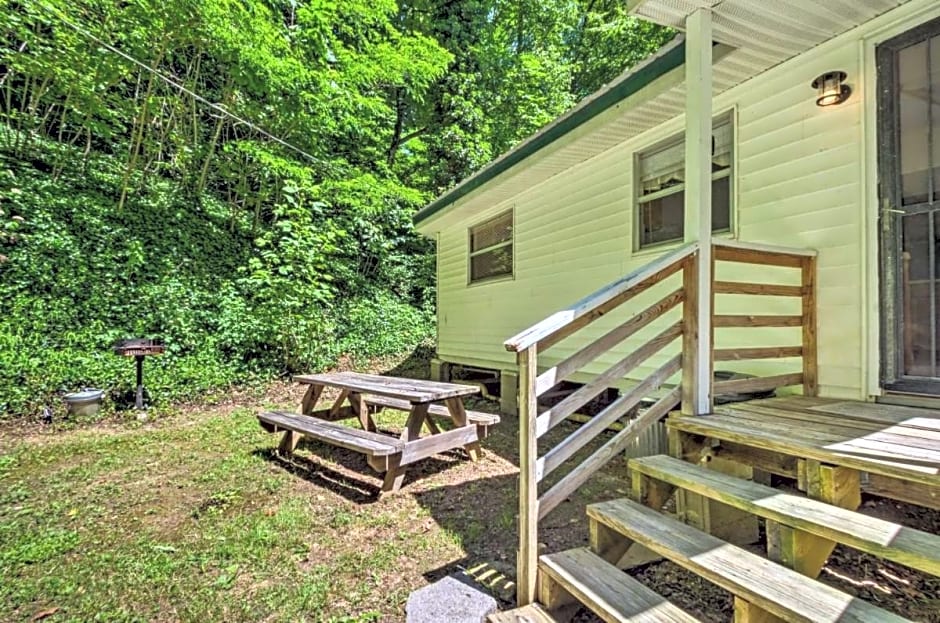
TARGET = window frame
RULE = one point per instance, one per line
(727, 116)
(499, 245)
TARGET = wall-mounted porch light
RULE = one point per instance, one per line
(830, 90)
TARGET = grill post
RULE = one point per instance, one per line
(139, 348)
(139, 400)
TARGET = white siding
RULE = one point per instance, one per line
(798, 180)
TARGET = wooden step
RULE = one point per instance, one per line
(780, 591)
(371, 444)
(477, 417)
(916, 549)
(533, 613)
(606, 590)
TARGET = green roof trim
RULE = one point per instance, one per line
(645, 75)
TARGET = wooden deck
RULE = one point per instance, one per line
(895, 449)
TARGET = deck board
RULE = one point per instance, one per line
(900, 435)
(900, 442)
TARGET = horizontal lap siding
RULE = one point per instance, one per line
(798, 184)
(569, 238)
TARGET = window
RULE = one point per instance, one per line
(491, 248)
(661, 187)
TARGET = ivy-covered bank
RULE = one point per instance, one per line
(238, 177)
(232, 303)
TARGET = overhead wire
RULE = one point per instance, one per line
(177, 84)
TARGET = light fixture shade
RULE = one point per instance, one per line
(830, 90)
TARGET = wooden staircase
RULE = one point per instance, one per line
(771, 588)
(656, 328)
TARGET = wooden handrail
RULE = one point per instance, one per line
(562, 371)
(558, 413)
(531, 344)
(565, 322)
(570, 483)
(751, 252)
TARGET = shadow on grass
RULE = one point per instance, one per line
(347, 473)
(481, 516)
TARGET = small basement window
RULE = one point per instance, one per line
(661, 187)
(491, 248)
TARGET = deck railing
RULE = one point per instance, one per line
(536, 380)
(803, 260)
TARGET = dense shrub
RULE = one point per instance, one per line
(232, 302)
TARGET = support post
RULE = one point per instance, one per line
(698, 202)
(440, 370)
(810, 373)
(508, 392)
(527, 561)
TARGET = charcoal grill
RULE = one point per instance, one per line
(138, 348)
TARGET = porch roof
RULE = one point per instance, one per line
(753, 36)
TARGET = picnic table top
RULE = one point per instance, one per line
(412, 390)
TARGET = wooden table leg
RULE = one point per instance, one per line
(288, 443)
(416, 419)
(361, 409)
(459, 415)
(311, 396)
(394, 477)
(338, 404)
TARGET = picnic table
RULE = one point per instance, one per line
(361, 397)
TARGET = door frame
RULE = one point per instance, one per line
(890, 214)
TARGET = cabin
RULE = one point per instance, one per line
(749, 212)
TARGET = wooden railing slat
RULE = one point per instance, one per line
(759, 384)
(742, 321)
(752, 256)
(613, 412)
(770, 249)
(771, 352)
(592, 351)
(756, 289)
(562, 324)
(577, 477)
(559, 412)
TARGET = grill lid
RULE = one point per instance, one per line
(139, 346)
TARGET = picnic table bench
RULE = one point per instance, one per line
(362, 396)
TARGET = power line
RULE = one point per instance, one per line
(178, 85)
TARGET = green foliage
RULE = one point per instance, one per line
(152, 197)
(230, 307)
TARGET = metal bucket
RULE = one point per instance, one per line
(85, 402)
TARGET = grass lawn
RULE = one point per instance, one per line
(192, 518)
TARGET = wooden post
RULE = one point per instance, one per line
(288, 443)
(746, 612)
(810, 373)
(801, 551)
(311, 396)
(698, 199)
(509, 392)
(689, 334)
(527, 562)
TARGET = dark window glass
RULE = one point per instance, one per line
(491, 248)
(661, 192)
